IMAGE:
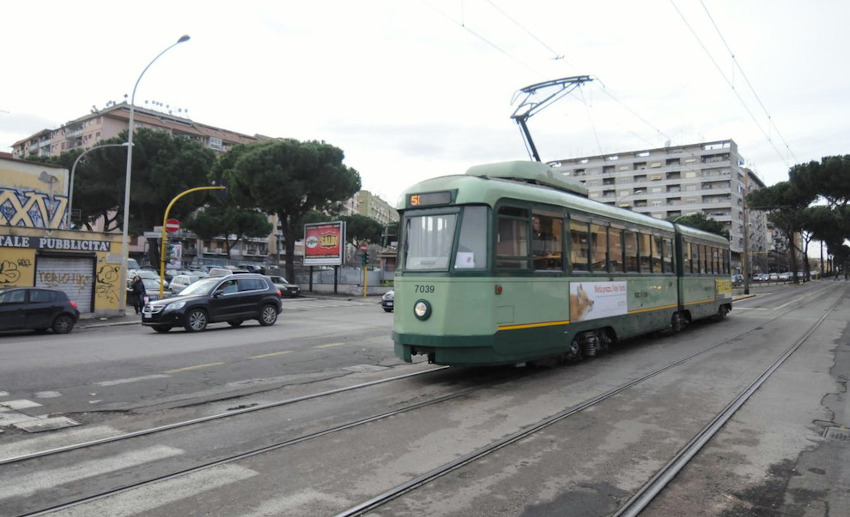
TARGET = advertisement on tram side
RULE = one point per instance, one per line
(594, 300)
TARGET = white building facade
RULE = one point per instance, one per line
(676, 181)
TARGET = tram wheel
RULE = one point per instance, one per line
(574, 351)
(678, 322)
(606, 339)
(722, 311)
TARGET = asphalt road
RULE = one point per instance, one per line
(781, 454)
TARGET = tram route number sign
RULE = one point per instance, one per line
(429, 198)
(172, 226)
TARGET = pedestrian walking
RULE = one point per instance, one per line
(139, 293)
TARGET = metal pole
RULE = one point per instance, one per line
(71, 181)
(125, 221)
(164, 220)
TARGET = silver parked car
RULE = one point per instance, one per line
(180, 282)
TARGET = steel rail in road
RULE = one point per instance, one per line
(442, 470)
(194, 421)
(662, 478)
(387, 496)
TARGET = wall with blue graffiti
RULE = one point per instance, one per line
(32, 195)
(33, 204)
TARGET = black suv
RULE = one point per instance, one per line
(37, 308)
(232, 298)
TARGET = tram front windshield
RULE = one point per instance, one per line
(428, 240)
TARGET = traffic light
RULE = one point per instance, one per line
(364, 258)
(169, 252)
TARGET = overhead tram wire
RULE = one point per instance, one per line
(604, 89)
(747, 80)
(462, 25)
(731, 85)
(555, 54)
(590, 118)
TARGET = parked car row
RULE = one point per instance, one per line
(37, 308)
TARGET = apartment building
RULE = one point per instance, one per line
(103, 124)
(109, 122)
(374, 207)
(676, 181)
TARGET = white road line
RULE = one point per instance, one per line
(20, 404)
(28, 484)
(55, 440)
(130, 379)
(153, 496)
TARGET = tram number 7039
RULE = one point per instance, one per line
(424, 288)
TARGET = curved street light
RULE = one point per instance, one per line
(125, 222)
(71, 181)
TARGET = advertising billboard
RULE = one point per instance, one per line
(324, 244)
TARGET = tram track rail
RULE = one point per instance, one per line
(398, 491)
(642, 498)
(209, 418)
(645, 495)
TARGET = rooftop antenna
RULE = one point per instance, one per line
(529, 107)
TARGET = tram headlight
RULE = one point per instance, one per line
(422, 310)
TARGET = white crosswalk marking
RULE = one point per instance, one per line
(29, 484)
(147, 498)
(56, 440)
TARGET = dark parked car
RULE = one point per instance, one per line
(286, 288)
(37, 308)
(387, 301)
(231, 298)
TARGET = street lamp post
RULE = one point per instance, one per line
(125, 222)
(71, 181)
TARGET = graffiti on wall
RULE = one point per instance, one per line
(57, 279)
(16, 268)
(9, 273)
(31, 208)
(108, 284)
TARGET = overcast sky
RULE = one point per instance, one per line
(412, 89)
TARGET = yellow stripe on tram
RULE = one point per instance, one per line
(707, 300)
(650, 309)
(533, 325)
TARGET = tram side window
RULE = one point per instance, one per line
(615, 250)
(598, 248)
(547, 242)
(512, 238)
(668, 255)
(715, 260)
(687, 258)
(472, 246)
(656, 254)
(703, 263)
(579, 245)
(645, 249)
(631, 249)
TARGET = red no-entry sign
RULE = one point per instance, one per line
(172, 226)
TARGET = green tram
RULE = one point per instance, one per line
(512, 263)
